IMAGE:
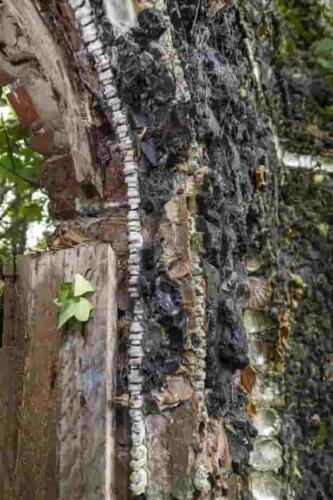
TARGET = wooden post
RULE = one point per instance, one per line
(7, 423)
(65, 379)
(8, 276)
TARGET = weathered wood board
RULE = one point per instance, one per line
(65, 435)
(7, 422)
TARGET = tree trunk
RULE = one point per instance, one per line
(195, 138)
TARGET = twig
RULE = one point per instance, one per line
(196, 16)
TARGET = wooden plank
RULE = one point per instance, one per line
(7, 423)
(37, 345)
(8, 276)
(65, 447)
(86, 424)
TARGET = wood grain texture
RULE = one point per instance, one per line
(37, 344)
(7, 422)
(87, 360)
(65, 447)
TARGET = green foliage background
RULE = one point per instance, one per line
(311, 30)
(22, 202)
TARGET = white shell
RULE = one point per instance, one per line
(76, 4)
(89, 33)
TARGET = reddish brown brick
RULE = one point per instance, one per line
(62, 207)
(23, 106)
(5, 78)
(115, 188)
(69, 26)
(58, 178)
(67, 12)
(114, 231)
(43, 142)
(37, 127)
(58, 173)
(123, 298)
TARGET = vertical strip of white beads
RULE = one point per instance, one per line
(85, 17)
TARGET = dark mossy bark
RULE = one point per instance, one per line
(306, 209)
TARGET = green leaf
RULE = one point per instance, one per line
(325, 45)
(65, 293)
(66, 313)
(82, 286)
(71, 302)
(83, 309)
(75, 308)
(325, 64)
(30, 212)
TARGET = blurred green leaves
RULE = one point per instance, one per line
(323, 51)
(21, 200)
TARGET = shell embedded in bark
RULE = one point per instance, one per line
(258, 293)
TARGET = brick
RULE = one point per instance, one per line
(69, 25)
(37, 127)
(123, 298)
(115, 188)
(114, 231)
(58, 173)
(43, 142)
(58, 178)
(23, 106)
(67, 12)
(62, 207)
(5, 78)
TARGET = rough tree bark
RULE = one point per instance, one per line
(190, 137)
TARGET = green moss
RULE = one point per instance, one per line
(294, 472)
(322, 434)
(323, 229)
(287, 47)
(306, 202)
(297, 281)
(164, 337)
(197, 242)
